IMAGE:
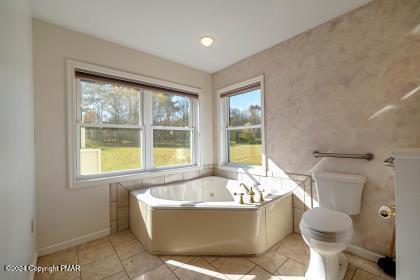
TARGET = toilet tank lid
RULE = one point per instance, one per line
(340, 177)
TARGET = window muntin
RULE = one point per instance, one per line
(244, 127)
(173, 130)
(123, 129)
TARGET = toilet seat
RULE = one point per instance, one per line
(326, 225)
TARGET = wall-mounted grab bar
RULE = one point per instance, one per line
(368, 156)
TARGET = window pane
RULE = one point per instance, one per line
(245, 146)
(109, 103)
(245, 108)
(171, 110)
(171, 147)
(109, 149)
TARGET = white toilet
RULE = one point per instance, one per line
(328, 229)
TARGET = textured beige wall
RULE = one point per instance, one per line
(65, 214)
(349, 85)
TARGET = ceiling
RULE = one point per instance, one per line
(171, 28)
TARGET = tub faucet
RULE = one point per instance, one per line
(250, 192)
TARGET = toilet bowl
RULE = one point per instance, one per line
(327, 233)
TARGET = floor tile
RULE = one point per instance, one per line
(105, 267)
(210, 259)
(95, 253)
(364, 264)
(93, 243)
(197, 269)
(174, 262)
(259, 274)
(351, 269)
(121, 237)
(233, 267)
(119, 276)
(59, 275)
(364, 275)
(270, 261)
(295, 248)
(140, 264)
(290, 269)
(128, 249)
(159, 273)
(67, 256)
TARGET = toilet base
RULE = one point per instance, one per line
(326, 266)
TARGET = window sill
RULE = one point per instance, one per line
(253, 170)
(84, 183)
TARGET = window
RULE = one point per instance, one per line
(241, 122)
(122, 125)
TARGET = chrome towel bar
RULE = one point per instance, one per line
(368, 156)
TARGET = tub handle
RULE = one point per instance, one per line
(241, 197)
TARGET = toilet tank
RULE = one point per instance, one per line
(340, 192)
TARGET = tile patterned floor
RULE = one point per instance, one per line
(121, 257)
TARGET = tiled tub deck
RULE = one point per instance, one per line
(121, 256)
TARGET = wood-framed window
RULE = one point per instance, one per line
(241, 122)
(122, 125)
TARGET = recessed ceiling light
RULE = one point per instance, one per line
(206, 41)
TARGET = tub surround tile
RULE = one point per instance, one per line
(113, 211)
(297, 216)
(107, 266)
(189, 175)
(174, 262)
(174, 178)
(122, 214)
(122, 196)
(140, 264)
(233, 267)
(128, 249)
(289, 269)
(153, 181)
(114, 226)
(198, 268)
(113, 192)
(270, 261)
(297, 202)
(206, 172)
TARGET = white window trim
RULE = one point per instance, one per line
(73, 130)
(222, 124)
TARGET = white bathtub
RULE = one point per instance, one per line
(202, 216)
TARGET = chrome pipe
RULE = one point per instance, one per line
(368, 156)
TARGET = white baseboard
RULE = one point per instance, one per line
(34, 262)
(73, 242)
(358, 251)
